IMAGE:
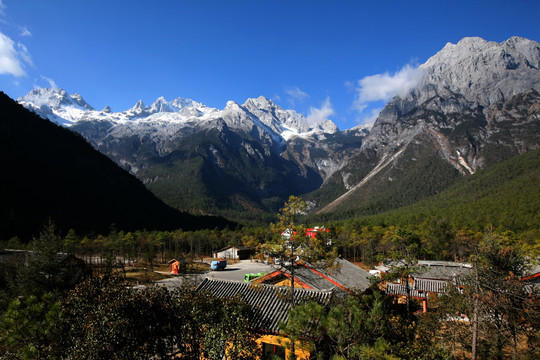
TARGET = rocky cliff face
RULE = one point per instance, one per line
(476, 105)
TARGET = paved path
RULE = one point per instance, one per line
(233, 271)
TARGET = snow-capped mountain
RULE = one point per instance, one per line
(56, 105)
(258, 149)
(477, 103)
(68, 110)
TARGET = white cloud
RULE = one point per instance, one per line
(25, 31)
(51, 82)
(12, 57)
(2, 7)
(24, 54)
(319, 116)
(296, 95)
(384, 86)
(371, 117)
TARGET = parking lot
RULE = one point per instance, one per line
(234, 271)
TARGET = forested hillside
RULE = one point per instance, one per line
(506, 196)
(50, 172)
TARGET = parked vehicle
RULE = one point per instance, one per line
(249, 277)
(218, 264)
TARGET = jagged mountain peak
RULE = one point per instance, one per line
(473, 43)
(261, 102)
(139, 105)
(474, 73)
(181, 103)
(235, 111)
(260, 112)
(54, 98)
(161, 105)
(476, 47)
(468, 76)
(232, 105)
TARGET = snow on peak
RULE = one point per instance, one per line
(231, 104)
(256, 113)
(161, 105)
(56, 104)
(261, 102)
(139, 105)
(235, 113)
(54, 98)
(181, 103)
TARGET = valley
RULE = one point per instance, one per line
(243, 161)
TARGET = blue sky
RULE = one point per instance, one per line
(311, 56)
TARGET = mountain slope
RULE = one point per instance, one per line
(243, 161)
(50, 172)
(477, 104)
(505, 195)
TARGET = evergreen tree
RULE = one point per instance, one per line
(46, 268)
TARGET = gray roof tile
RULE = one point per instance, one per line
(270, 303)
(344, 275)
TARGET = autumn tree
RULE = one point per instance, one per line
(503, 308)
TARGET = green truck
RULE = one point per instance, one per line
(249, 277)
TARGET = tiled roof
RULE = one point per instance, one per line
(401, 289)
(344, 275)
(351, 276)
(431, 276)
(311, 278)
(437, 286)
(441, 270)
(271, 304)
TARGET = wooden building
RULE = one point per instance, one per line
(271, 305)
(234, 253)
(427, 278)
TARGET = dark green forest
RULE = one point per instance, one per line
(505, 196)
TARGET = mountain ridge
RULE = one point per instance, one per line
(475, 104)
